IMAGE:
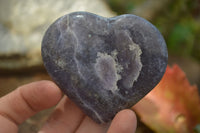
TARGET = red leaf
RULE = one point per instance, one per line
(172, 106)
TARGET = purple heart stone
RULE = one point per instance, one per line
(102, 64)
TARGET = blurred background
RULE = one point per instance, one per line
(23, 23)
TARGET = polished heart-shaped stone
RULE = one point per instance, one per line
(103, 64)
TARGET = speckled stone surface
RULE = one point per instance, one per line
(104, 64)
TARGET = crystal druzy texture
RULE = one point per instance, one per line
(104, 64)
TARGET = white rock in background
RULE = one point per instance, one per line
(23, 23)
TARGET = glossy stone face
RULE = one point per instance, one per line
(104, 64)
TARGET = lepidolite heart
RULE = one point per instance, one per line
(104, 64)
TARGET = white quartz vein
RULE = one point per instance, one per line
(87, 106)
(78, 68)
(76, 46)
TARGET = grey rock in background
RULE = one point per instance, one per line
(22, 25)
